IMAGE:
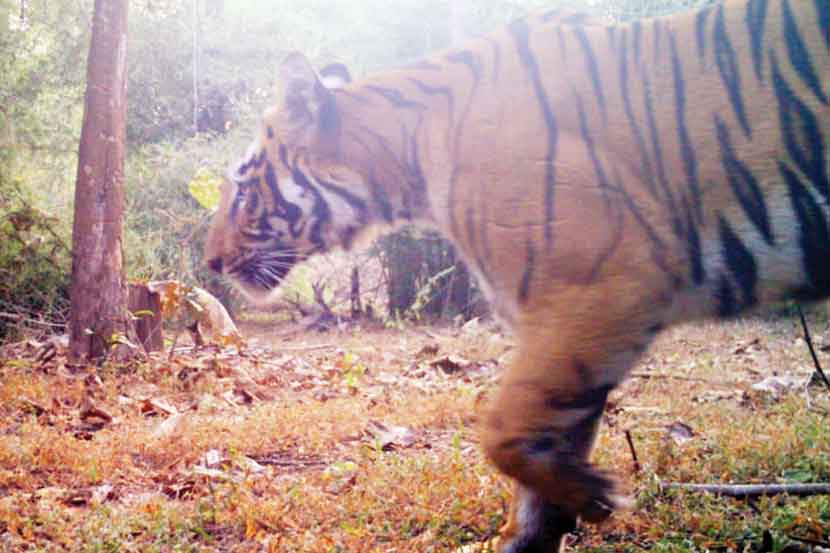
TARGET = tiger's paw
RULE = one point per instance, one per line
(599, 497)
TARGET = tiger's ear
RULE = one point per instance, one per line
(304, 99)
(335, 75)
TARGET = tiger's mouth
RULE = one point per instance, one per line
(261, 273)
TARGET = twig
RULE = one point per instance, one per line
(754, 490)
(656, 376)
(29, 320)
(808, 541)
(305, 348)
(173, 346)
(632, 450)
(809, 341)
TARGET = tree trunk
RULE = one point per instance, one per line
(146, 305)
(98, 295)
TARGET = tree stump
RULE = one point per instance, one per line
(146, 305)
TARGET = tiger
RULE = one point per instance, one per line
(602, 181)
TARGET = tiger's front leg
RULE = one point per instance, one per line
(541, 430)
(535, 524)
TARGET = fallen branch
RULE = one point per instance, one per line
(753, 490)
(28, 320)
(305, 348)
(809, 541)
(664, 376)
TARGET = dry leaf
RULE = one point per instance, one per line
(451, 364)
(390, 437)
(212, 458)
(168, 426)
(152, 407)
(680, 432)
(779, 385)
(428, 350)
(32, 407)
(91, 414)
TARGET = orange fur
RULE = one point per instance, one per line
(603, 182)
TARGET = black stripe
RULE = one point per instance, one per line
(802, 134)
(465, 58)
(487, 251)
(283, 152)
(637, 28)
(756, 15)
(656, 28)
(729, 70)
(662, 179)
(254, 163)
(823, 9)
(351, 94)
(282, 207)
(593, 70)
(472, 239)
(645, 160)
(602, 182)
(563, 47)
(320, 211)
(380, 198)
(740, 262)
(394, 97)
(356, 203)
(252, 202)
(519, 31)
(415, 172)
(693, 248)
(687, 152)
(799, 55)
(444, 91)
(530, 266)
(658, 245)
(743, 184)
(379, 195)
(814, 238)
(592, 398)
(727, 306)
(611, 32)
(588, 140)
(700, 33)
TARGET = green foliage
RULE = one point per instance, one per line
(205, 189)
(424, 276)
(34, 263)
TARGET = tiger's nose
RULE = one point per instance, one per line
(215, 264)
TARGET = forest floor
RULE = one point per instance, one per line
(364, 440)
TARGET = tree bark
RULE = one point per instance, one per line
(98, 294)
(148, 326)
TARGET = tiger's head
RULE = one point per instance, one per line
(290, 196)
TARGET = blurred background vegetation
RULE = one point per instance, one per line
(200, 74)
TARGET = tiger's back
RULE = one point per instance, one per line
(603, 182)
